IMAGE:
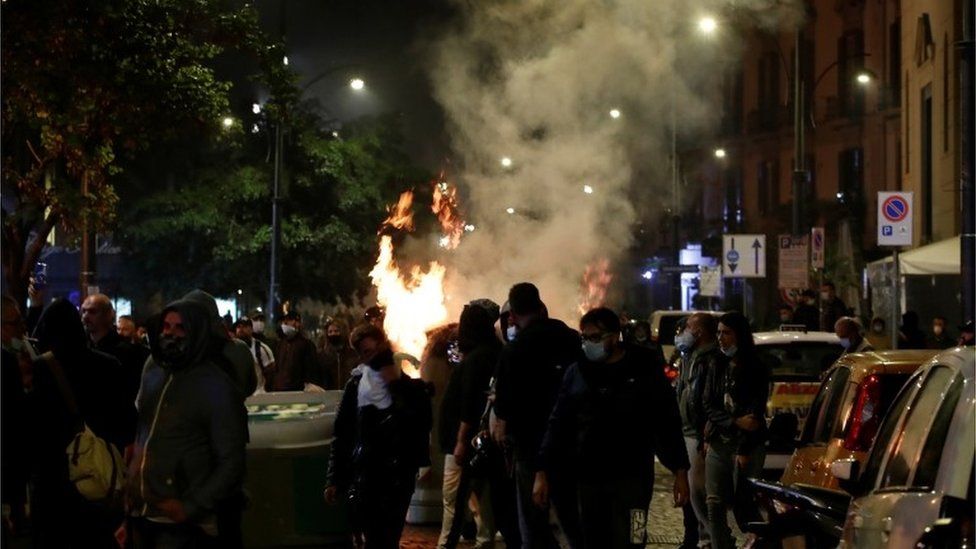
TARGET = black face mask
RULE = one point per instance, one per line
(334, 340)
(382, 358)
(172, 351)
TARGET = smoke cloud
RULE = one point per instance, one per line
(535, 81)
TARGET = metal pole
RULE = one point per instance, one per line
(275, 228)
(745, 286)
(799, 171)
(967, 125)
(895, 300)
(676, 294)
(86, 260)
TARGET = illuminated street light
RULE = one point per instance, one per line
(707, 25)
(256, 108)
(228, 122)
(506, 163)
(255, 129)
(719, 153)
(587, 189)
(335, 134)
(284, 60)
(647, 275)
(469, 228)
(510, 211)
(357, 84)
(863, 78)
(615, 113)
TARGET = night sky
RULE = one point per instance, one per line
(381, 41)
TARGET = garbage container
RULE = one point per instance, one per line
(287, 458)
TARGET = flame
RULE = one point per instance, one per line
(401, 213)
(414, 301)
(593, 288)
(445, 206)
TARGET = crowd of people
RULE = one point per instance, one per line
(548, 434)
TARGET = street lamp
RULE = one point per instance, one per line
(707, 24)
(510, 211)
(615, 113)
(357, 84)
(228, 122)
(506, 162)
(720, 153)
(587, 189)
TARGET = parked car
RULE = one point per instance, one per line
(923, 460)
(797, 361)
(847, 411)
(807, 509)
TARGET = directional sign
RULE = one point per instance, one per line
(894, 219)
(793, 271)
(817, 248)
(744, 256)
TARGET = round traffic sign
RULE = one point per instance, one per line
(895, 208)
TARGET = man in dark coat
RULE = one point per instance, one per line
(295, 358)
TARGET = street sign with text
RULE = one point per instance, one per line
(793, 271)
(895, 219)
(744, 256)
(710, 284)
(817, 248)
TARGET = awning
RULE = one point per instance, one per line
(939, 258)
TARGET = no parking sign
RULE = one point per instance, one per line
(894, 219)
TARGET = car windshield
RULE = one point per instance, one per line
(798, 361)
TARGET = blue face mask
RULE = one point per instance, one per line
(594, 351)
(511, 332)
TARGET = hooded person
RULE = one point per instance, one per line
(336, 357)
(382, 430)
(237, 358)
(60, 516)
(190, 445)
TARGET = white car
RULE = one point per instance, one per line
(796, 360)
(663, 324)
(921, 465)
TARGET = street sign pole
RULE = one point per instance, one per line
(895, 301)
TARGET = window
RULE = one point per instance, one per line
(925, 166)
(928, 462)
(850, 61)
(733, 198)
(850, 180)
(769, 65)
(945, 93)
(732, 103)
(894, 61)
(892, 421)
(768, 186)
(909, 441)
(825, 407)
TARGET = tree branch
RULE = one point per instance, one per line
(34, 248)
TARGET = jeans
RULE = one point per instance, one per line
(696, 486)
(727, 486)
(458, 487)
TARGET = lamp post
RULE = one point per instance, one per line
(357, 84)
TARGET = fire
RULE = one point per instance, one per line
(414, 301)
(445, 207)
(593, 288)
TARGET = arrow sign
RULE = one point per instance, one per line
(733, 267)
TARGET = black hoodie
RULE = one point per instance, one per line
(97, 383)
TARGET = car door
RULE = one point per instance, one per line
(903, 464)
(805, 465)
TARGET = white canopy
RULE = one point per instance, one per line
(938, 258)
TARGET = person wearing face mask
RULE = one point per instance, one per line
(530, 371)
(591, 427)
(263, 357)
(335, 355)
(296, 362)
(848, 329)
(832, 307)
(190, 443)
(940, 337)
(735, 404)
(382, 431)
(641, 337)
(806, 312)
(700, 354)
(878, 336)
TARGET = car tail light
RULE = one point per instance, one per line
(866, 415)
(670, 372)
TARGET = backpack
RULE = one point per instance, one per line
(95, 466)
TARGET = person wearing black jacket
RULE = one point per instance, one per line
(382, 438)
(60, 516)
(735, 405)
(700, 355)
(189, 457)
(592, 426)
(530, 372)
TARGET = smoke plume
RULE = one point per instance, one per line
(535, 81)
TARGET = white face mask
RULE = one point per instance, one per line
(730, 351)
(878, 328)
(824, 296)
(288, 330)
(594, 351)
(684, 341)
(845, 342)
(258, 326)
(511, 332)
(937, 330)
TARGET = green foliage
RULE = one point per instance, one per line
(203, 217)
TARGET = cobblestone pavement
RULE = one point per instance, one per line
(664, 521)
